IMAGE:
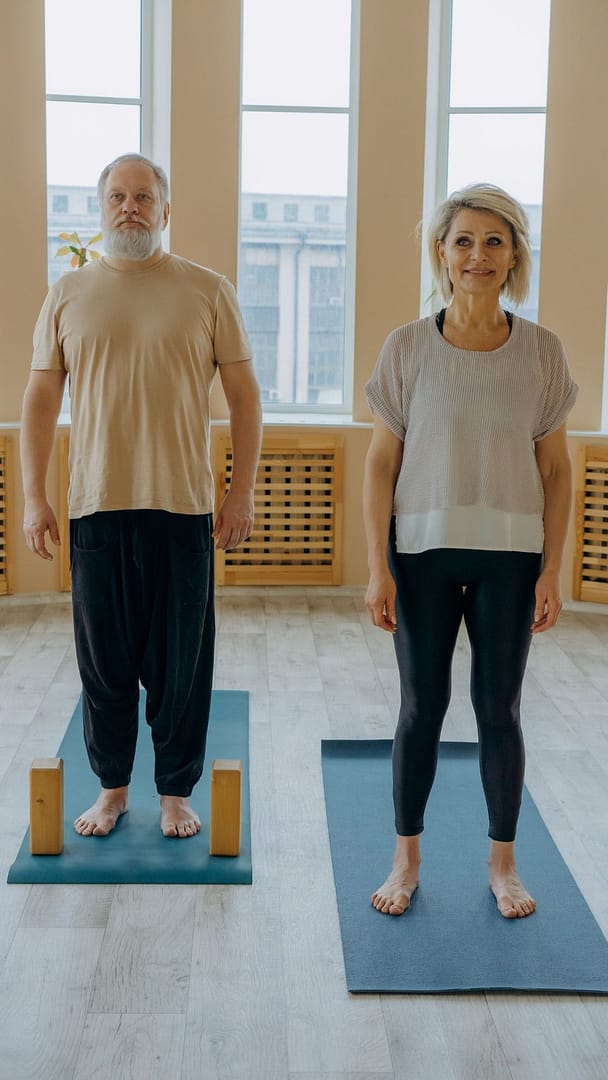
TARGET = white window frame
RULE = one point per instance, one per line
(291, 409)
(438, 114)
(154, 99)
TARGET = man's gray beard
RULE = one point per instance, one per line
(136, 244)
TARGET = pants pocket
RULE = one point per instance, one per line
(92, 555)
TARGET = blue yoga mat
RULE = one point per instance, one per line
(136, 851)
(452, 938)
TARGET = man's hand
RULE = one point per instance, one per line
(234, 522)
(39, 519)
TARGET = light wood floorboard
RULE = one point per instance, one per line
(247, 983)
(131, 1047)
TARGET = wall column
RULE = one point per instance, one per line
(23, 266)
(205, 127)
(392, 115)
(205, 133)
(574, 247)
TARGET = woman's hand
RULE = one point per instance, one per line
(380, 600)
(548, 601)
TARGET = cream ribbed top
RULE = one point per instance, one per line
(468, 421)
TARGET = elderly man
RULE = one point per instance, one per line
(140, 334)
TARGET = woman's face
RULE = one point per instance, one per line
(477, 252)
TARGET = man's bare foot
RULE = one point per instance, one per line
(101, 817)
(177, 818)
(512, 899)
(394, 896)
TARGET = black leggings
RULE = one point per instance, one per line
(494, 591)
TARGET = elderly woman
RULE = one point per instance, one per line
(467, 495)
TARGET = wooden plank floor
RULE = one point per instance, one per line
(240, 983)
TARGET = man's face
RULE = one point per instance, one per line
(133, 214)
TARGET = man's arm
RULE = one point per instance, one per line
(235, 518)
(41, 405)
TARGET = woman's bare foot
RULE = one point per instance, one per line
(512, 899)
(177, 818)
(394, 896)
(101, 817)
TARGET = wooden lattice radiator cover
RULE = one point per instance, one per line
(591, 552)
(297, 537)
(4, 511)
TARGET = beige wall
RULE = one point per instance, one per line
(392, 96)
(23, 265)
(574, 249)
(204, 174)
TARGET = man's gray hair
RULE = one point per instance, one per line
(159, 173)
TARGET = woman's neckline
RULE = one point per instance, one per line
(439, 320)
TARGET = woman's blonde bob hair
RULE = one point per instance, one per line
(493, 200)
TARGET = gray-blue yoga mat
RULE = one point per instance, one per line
(136, 850)
(452, 938)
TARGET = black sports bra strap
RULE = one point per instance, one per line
(440, 319)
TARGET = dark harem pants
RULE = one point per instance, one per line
(142, 594)
(494, 592)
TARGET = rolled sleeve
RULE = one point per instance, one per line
(560, 389)
(231, 341)
(385, 391)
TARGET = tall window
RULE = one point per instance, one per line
(294, 186)
(94, 107)
(492, 104)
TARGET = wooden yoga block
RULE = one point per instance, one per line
(46, 806)
(225, 819)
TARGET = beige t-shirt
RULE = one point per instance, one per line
(141, 348)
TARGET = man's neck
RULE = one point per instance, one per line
(117, 263)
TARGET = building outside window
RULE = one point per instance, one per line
(259, 299)
(259, 211)
(295, 163)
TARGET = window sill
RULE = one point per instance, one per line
(308, 419)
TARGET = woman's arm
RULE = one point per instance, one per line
(382, 465)
(553, 462)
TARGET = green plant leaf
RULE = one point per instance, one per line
(95, 239)
(63, 250)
